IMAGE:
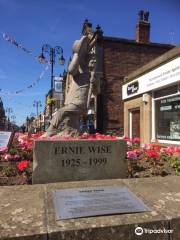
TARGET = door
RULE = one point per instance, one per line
(134, 123)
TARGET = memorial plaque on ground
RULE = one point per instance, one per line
(74, 160)
(5, 138)
(94, 201)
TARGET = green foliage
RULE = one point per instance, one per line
(9, 171)
(175, 162)
(165, 156)
(26, 155)
(13, 151)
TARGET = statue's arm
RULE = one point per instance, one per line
(74, 65)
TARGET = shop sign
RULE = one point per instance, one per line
(132, 88)
(167, 74)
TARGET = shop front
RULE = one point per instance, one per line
(152, 100)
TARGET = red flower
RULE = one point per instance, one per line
(156, 147)
(126, 138)
(169, 150)
(153, 154)
(23, 165)
(177, 149)
(136, 140)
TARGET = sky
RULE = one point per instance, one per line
(59, 23)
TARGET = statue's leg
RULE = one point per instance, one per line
(65, 121)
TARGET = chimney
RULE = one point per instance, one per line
(143, 28)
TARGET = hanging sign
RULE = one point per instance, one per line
(58, 81)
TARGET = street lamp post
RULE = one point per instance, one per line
(40, 118)
(27, 124)
(9, 111)
(37, 104)
(8, 124)
(52, 54)
(13, 117)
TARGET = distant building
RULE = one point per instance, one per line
(2, 116)
(57, 99)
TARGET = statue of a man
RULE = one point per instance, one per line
(66, 119)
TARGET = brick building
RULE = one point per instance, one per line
(120, 57)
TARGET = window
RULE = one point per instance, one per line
(167, 118)
(166, 91)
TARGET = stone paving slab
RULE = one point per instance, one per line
(28, 212)
(162, 193)
(22, 212)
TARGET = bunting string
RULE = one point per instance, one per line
(12, 40)
(3, 92)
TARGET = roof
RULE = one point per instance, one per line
(132, 41)
(166, 57)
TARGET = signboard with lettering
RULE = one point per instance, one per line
(74, 160)
(5, 138)
(58, 81)
(161, 76)
(132, 88)
(95, 201)
(58, 88)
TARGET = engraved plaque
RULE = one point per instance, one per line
(75, 160)
(5, 138)
(94, 201)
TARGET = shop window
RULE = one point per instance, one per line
(166, 91)
(167, 118)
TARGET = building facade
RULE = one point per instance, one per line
(152, 100)
(120, 57)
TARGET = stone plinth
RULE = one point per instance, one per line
(75, 160)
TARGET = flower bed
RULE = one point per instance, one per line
(146, 161)
(152, 159)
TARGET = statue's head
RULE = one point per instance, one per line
(80, 47)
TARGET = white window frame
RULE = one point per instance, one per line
(153, 134)
(130, 123)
